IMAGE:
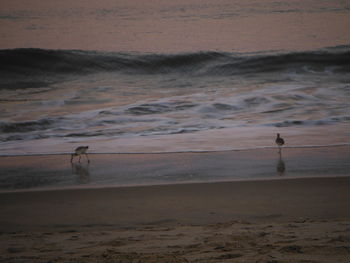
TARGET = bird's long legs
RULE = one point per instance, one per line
(87, 157)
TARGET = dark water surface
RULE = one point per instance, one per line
(104, 170)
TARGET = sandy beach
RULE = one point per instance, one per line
(179, 104)
(289, 220)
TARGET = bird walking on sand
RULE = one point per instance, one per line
(79, 151)
(279, 141)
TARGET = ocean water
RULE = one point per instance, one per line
(133, 77)
(208, 85)
(53, 100)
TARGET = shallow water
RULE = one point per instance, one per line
(106, 170)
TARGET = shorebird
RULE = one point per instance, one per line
(279, 141)
(79, 151)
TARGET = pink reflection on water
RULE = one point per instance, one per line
(211, 140)
(168, 26)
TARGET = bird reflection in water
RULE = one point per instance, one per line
(82, 171)
(281, 166)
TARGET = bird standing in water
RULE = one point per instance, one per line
(79, 151)
(279, 141)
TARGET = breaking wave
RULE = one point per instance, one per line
(142, 96)
(40, 64)
(26, 126)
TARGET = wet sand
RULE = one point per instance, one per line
(56, 171)
(289, 220)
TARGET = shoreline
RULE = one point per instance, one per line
(194, 183)
(263, 220)
(40, 173)
(184, 151)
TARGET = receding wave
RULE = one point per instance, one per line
(238, 149)
(41, 64)
(156, 108)
(318, 122)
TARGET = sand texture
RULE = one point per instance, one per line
(298, 220)
(303, 240)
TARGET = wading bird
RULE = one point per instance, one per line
(79, 151)
(279, 141)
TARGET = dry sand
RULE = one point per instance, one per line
(288, 220)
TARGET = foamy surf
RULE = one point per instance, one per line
(200, 101)
(234, 139)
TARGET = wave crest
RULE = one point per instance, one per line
(27, 126)
(32, 63)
